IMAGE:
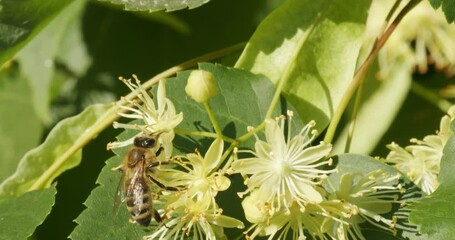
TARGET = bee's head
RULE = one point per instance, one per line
(145, 141)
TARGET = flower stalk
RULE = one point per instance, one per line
(363, 69)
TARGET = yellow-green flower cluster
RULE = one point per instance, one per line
(285, 197)
(193, 211)
(366, 197)
(357, 200)
(420, 161)
(423, 37)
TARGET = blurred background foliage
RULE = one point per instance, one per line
(76, 59)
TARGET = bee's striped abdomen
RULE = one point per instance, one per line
(139, 203)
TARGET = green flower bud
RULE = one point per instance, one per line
(201, 86)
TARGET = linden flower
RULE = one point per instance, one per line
(155, 119)
(193, 210)
(420, 162)
(285, 170)
(315, 220)
(198, 174)
(423, 37)
(419, 166)
(266, 221)
(197, 218)
(367, 197)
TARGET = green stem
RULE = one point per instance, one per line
(246, 136)
(225, 155)
(276, 96)
(362, 70)
(111, 114)
(431, 97)
(212, 117)
(181, 131)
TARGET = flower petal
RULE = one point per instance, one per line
(228, 222)
(275, 137)
(213, 156)
(250, 165)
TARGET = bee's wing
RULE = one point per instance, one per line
(119, 196)
(129, 178)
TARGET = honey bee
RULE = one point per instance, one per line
(134, 186)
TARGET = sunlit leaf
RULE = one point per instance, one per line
(19, 216)
(313, 46)
(40, 166)
(157, 5)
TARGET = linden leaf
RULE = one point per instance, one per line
(447, 6)
(19, 216)
(434, 213)
(59, 42)
(314, 47)
(157, 5)
(20, 21)
(40, 166)
(20, 128)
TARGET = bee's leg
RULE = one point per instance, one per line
(162, 185)
(118, 168)
(158, 218)
(158, 163)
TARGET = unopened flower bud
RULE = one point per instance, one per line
(201, 86)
